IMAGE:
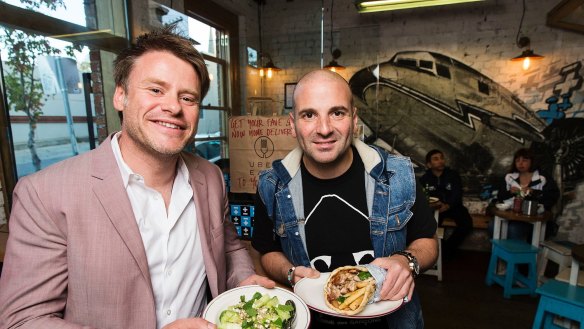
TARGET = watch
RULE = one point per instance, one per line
(412, 261)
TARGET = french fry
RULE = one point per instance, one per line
(364, 283)
(356, 303)
(354, 295)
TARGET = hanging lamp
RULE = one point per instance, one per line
(523, 42)
(266, 65)
(333, 65)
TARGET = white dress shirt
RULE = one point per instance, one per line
(171, 240)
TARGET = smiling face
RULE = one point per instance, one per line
(160, 105)
(323, 123)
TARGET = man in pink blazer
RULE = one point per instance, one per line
(78, 254)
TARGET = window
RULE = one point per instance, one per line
(483, 87)
(407, 62)
(213, 27)
(51, 51)
(426, 64)
(213, 44)
(443, 71)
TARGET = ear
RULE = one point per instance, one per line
(291, 120)
(355, 118)
(119, 98)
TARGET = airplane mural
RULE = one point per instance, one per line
(422, 100)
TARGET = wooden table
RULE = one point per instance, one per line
(502, 218)
(577, 260)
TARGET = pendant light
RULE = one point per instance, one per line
(333, 65)
(265, 65)
(523, 42)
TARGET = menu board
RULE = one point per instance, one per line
(254, 143)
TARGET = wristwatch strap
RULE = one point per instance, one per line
(412, 261)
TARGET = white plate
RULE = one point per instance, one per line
(231, 297)
(312, 292)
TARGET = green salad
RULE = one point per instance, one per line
(260, 312)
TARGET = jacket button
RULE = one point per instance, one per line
(288, 196)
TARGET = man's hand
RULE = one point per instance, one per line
(193, 323)
(258, 279)
(399, 282)
(304, 272)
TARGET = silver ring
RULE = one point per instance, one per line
(406, 299)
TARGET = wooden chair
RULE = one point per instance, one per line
(562, 299)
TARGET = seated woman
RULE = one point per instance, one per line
(524, 179)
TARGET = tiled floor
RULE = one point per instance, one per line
(462, 300)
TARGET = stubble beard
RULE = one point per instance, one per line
(147, 145)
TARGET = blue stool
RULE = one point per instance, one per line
(513, 252)
(559, 298)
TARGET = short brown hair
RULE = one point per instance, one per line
(163, 39)
(526, 154)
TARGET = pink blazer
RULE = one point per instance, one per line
(75, 257)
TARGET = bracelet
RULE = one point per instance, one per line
(291, 276)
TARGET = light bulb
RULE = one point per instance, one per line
(333, 69)
(526, 63)
(270, 73)
(261, 72)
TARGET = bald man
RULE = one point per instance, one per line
(335, 201)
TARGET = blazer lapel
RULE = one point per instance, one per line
(199, 186)
(109, 190)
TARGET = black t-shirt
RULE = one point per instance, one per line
(337, 225)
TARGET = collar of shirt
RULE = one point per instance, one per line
(127, 172)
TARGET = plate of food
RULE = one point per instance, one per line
(333, 294)
(257, 305)
(433, 199)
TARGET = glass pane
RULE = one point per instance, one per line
(210, 150)
(72, 11)
(111, 20)
(215, 95)
(44, 86)
(205, 35)
(211, 124)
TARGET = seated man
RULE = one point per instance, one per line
(445, 184)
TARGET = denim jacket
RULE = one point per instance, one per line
(390, 186)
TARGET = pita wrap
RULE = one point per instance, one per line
(348, 292)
